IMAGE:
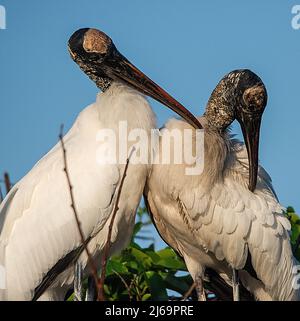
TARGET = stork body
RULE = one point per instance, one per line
(39, 239)
(213, 220)
(38, 227)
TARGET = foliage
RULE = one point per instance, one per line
(295, 232)
(145, 274)
(141, 273)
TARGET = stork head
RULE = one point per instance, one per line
(97, 56)
(240, 95)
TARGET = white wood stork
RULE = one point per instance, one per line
(39, 240)
(227, 218)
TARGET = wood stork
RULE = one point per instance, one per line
(227, 218)
(39, 240)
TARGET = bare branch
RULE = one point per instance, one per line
(104, 258)
(189, 291)
(7, 182)
(128, 287)
(84, 242)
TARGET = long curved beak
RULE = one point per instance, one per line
(103, 59)
(250, 125)
(118, 67)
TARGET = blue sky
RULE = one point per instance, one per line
(185, 46)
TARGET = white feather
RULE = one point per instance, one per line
(227, 218)
(37, 223)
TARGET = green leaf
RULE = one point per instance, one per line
(71, 297)
(154, 257)
(151, 247)
(290, 209)
(146, 297)
(134, 265)
(144, 259)
(170, 260)
(115, 266)
(135, 245)
(294, 218)
(295, 223)
(106, 289)
(297, 254)
(172, 263)
(157, 287)
(167, 252)
(137, 228)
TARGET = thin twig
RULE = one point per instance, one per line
(128, 287)
(136, 281)
(189, 292)
(101, 296)
(7, 182)
(91, 261)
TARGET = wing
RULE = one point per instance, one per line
(220, 287)
(59, 267)
(224, 218)
(227, 216)
(230, 221)
(38, 228)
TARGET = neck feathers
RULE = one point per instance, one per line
(122, 103)
(217, 149)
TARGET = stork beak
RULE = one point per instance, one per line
(250, 125)
(103, 58)
(122, 69)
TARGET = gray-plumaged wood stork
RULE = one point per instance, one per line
(39, 239)
(214, 220)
